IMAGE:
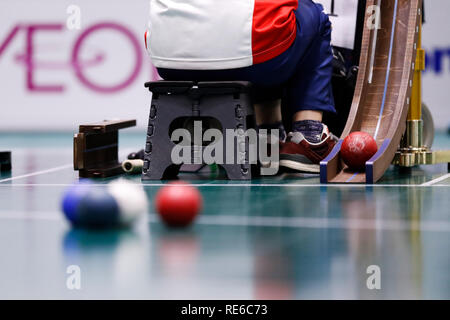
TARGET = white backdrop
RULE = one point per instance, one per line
(54, 78)
(106, 85)
(436, 41)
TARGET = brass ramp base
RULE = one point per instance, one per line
(410, 157)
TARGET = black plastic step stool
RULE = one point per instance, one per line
(177, 102)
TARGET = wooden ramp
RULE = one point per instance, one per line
(382, 96)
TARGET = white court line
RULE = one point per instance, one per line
(433, 182)
(37, 173)
(273, 222)
(246, 185)
(264, 185)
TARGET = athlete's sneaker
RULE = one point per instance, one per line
(299, 154)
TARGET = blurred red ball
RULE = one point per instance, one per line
(178, 203)
(357, 148)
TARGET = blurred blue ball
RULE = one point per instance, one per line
(72, 197)
(98, 209)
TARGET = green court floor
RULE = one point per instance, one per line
(283, 237)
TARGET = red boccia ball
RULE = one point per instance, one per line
(357, 148)
(178, 203)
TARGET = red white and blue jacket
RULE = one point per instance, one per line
(219, 34)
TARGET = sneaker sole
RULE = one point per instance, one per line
(299, 166)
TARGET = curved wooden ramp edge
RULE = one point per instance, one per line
(382, 95)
